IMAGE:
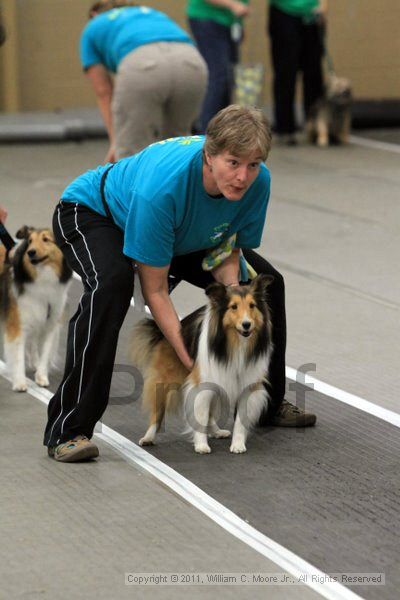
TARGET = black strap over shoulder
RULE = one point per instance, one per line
(103, 197)
(6, 238)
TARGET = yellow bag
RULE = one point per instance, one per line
(249, 81)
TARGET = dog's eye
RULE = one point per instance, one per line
(46, 239)
(252, 305)
(234, 306)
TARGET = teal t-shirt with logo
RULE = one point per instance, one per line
(158, 199)
(111, 35)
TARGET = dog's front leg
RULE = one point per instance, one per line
(240, 431)
(310, 131)
(197, 408)
(322, 132)
(42, 370)
(14, 350)
(344, 134)
(215, 431)
(251, 403)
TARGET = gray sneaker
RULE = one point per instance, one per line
(79, 448)
(289, 415)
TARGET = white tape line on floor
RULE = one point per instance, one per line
(333, 392)
(375, 144)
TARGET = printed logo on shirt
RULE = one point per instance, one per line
(116, 12)
(218, 233)
(184, 141)
(190, 140)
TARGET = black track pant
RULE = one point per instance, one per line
(295, 46)
(92, 245)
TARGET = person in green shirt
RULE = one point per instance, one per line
(295, 29)
(216, 28)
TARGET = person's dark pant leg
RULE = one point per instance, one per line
(276, 302)
(92, 245)
(219, 51)
(285, 34)
(311, 65)
(188, 268)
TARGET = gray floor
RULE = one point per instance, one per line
(330, 494)
(386, 134)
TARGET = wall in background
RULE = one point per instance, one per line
(39, 65)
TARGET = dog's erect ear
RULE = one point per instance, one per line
(216, 292)
(24, 232)
(259, 285)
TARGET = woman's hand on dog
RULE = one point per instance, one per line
(3, 214)
(154, 283)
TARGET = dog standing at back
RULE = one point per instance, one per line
(230, 343)
(330, 118)
(33, 292)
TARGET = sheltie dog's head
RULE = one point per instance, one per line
(37, 248)
(238, 314)
(338, 91)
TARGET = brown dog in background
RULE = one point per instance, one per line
(329, 120)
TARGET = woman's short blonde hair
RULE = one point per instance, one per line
(241, 130)
(103, 5)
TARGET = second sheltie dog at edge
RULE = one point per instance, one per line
(34, 284)
(229, 341)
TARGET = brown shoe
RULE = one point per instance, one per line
(289, 415)
(79, 448)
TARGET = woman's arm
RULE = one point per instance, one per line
(103, 88)
(3, 214)
(228, 271)
(154, 282)
(237, 8)
(322, 11)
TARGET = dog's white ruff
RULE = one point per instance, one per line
(234, 379)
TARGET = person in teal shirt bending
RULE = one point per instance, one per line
(295, 29)
(148, 76)
(166, 210)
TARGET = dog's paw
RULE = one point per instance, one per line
(19, 386)
(238, 447)
(202, 448)
(146, 442)
(220, 433)
(41, 380)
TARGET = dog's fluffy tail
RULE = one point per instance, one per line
(162, 370)
(145, 337)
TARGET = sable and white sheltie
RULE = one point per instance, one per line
(230, 343)
(33, 293)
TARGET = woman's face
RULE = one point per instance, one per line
(230, 175)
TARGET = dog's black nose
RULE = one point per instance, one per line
(246, 325)
(31, 253)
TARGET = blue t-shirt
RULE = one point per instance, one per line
(111, 35)
(158, 199)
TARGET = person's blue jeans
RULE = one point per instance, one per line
(220, 52)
